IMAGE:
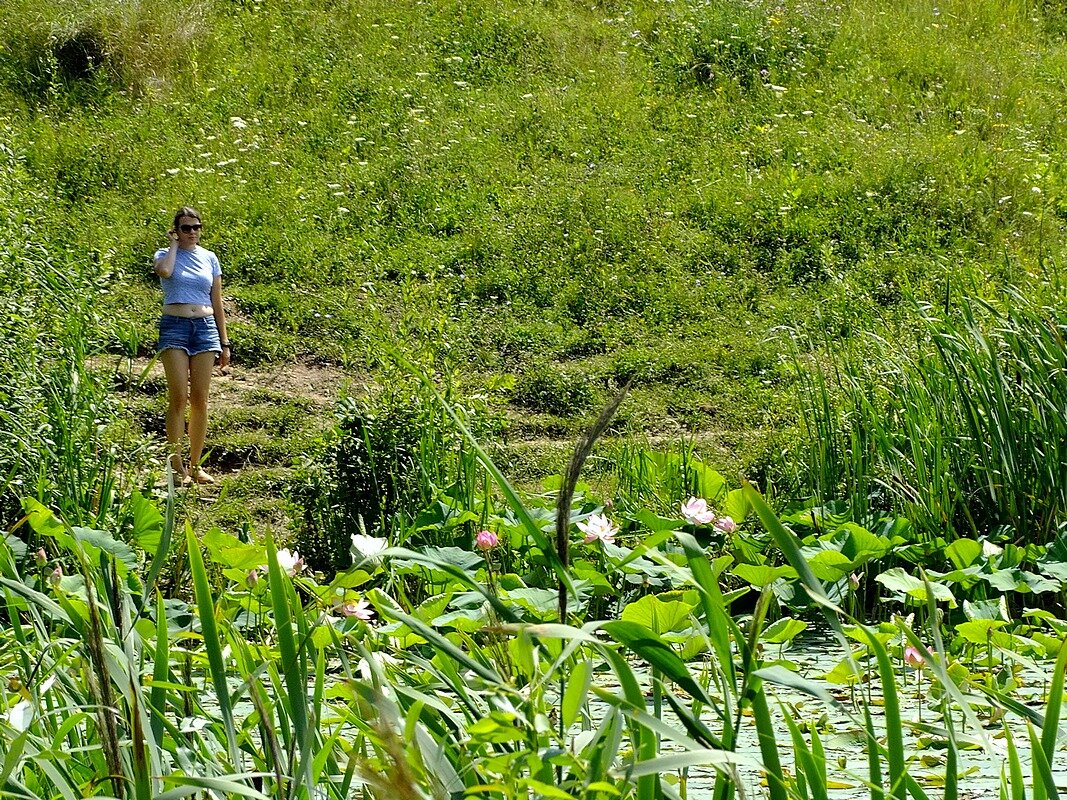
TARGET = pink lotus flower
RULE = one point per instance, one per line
(486, 540)
(913, 658)
(360, 609)
(598, 527)
(56, 576)
(252, 578)
(41, 557)
(696, 512)
(725, 524)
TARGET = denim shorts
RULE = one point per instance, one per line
(194, 336)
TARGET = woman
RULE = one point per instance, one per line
(192, 335)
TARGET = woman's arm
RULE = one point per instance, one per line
(164, 265)
(220, 319)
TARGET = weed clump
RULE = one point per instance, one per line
(388, 456)
(86, 51)
(553, 389)
(739, 43)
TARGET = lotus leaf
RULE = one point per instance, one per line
(763, 575)
(963, 552)
(1017, 580)
(735, 505)
(229, 551)
(443, 515)
(541, 602)
(860, 545)
(979, 631)
(964, 578)
(709, 483)
(783, 630)
(1054, 622)
(842, 674)
(464, 619)
(987, 609)
(454, 556)
(829, 565)
(147, 522)
(656, 523)
(1052, 644)
(659, 616)
(898, 580)
(592, 580)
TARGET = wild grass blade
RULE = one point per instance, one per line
(893, 723)
(874, 760)
(801, 759)
(644, 741)
(1050, 726)
(716, 618)
(787, 542)
(462, 577)
(443, 645)
(1044, 783)
(651, 649)
(160, 673)
(293, 663)
(768, 744)
(1015, 770)
(205, 603)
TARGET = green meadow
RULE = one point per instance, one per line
(814, 249)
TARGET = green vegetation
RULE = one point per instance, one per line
(820, 245)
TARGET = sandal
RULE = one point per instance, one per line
(199, 475)
(180, 475)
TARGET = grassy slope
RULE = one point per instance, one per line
(570, 195)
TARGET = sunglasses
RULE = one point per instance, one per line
(190, 228)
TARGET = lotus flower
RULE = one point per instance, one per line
(360, 609)
(696, 511)
(913, 658)
(486, 540)
(290, 562)
(367, 548)
(598, 527)
(725, 524)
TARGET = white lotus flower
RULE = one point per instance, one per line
(598, 527)
(290, 562)
(367, 548)
(360, 609)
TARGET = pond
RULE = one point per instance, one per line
(840, 728)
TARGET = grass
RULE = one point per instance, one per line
(537, 203)
(615, 179)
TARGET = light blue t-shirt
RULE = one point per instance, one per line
(194, 273)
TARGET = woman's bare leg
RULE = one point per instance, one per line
(200, 368)
(176, 369)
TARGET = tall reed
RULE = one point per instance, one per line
(965, 434)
